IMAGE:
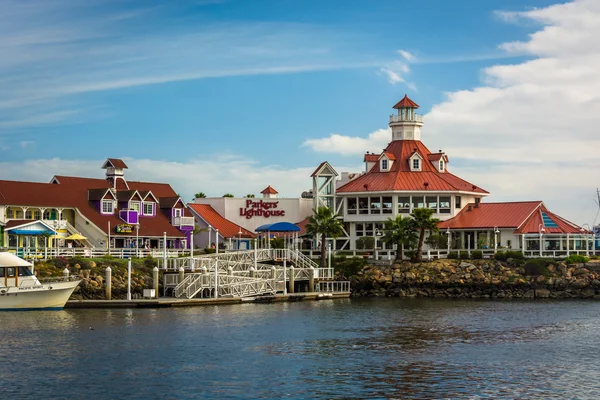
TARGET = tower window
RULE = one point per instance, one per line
(416, 163)
(441, 165)
(384, 164)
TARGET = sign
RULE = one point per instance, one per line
(261, 208)
(124, 228)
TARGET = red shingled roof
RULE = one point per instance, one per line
(400, 177)
(370, 157)
(269, 190)
(389, 155)
(523, 217)
(72, 192)
(227, 229)
(406, 103)
(116, 163)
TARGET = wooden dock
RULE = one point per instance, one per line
(165, 302)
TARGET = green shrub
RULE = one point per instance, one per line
(576, 259)
(453, 255)
(209, 251)
(150, 262)
(477, 254)
(412, 254)
(83, 262)
(537, 266)
(514, 254)
(59, 262)
(464, 255)
(365, 243)
(594, 257)
(348, 266)
(500, 256)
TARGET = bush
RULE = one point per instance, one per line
(594, 257)
(453, 255)
(537, 266)
(477, 254)
(209, 251)
(348, 266)
(464, 255)
(150, 262)
(576, 259)
(365, 243)
(412, 254)
(83, 263)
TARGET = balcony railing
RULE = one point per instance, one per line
(400, 118)
(183, 221)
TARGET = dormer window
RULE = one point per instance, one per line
(442, 165)
(384, 165)
(416, 164)
(148, 208)
(108, 207)
(135, 205)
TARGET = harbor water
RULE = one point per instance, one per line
(351, 348)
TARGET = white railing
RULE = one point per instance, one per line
(334, 287)
(183, 221)
(400, 118)
(92, 252)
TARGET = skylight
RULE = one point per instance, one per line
(548, 221)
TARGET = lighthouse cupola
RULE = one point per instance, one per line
(407, 124)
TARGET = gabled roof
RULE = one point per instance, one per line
(523, 217)
(17, 224)
(169, 202)
(406, 103)
(115, 163)
(437, 157)
(302, 225)
(146, 193)
(371, 157)
(227, 229)
(389, 155)
(126, 195)
(269, 190)
(401, 178)
(99, 194)
(323, 165)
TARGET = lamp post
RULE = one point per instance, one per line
(240, 239)
(216, 263)
(137, 240)
(377, 235)
(541, 230)
(209, 231)
(496, 232)
(448, 233)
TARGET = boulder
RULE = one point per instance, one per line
(542, 293)
(530, 294)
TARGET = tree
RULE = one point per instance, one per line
(249, 196)
(422, 221)
(200, 195)
(400, 232)
(227, 195)
(324, 222)
(437, 241)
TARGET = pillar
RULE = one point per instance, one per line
(181, 274)
(252, 272)
(155, 281)
(229, 270)
(274, 277)
(66, 273)
(291, 279)
(108, 283)
(311, 279)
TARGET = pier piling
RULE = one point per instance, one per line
(108, 283)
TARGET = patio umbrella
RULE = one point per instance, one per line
(76, 236)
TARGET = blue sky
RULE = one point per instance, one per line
(207, 83)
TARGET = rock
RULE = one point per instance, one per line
(396, 266)
(580, 271)
(542, 293)
(540, 278)
(409, 275)
(530, 294)
(464, 264)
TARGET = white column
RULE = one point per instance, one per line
(284, 276)
(217, 263)
(568, 245)
(165, 251)
(129, 279)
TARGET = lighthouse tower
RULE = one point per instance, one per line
(407, 124)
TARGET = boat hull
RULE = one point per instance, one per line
(52, 296)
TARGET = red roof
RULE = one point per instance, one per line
(389, 155)
(72, 192)
(269, 190)
(370, 157)
(523, 217)
(115, 163)
(406, 103)
(13, 223)
(227, 229)
(400, 177)
(302, 225)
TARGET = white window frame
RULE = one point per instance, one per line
(384, 164)
(135, 205)
(151, 204)
(442, 166)
(106, 202)
(177, 212)
(417, 166)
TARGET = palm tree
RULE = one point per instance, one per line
(249, 196)
(399, 232)
(200, 195)
(325, 223)
(422, 221)
(228, 195)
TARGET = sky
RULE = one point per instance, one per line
(233, 95)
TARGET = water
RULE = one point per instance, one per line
(380, 348)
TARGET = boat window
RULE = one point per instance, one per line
(1, 272)
(10, 272)
(24, 271)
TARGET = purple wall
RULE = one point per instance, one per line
(129, 216)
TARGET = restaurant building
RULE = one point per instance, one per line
(110, 212)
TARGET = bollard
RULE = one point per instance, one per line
(252, 272)
(311, 279)
(291, 280)
(181, 274)
(65, 273)
(108, 284)
(155, 281)
(229, 270)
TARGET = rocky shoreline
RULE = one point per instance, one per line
(490, 279)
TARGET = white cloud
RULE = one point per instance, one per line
(26, 143)
(530, 131)
(407, 56)
(347, 145)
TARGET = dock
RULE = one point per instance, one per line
(169, 302)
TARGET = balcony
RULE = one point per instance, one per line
(401, 118)
(183, 221)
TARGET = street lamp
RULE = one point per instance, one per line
(137, 240)
(541, 230)
(496, 232)
(377, 235)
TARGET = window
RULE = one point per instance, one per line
(477, 201)
(416, 164)
(134, 205)
(457, 201)
(107, 207)
(28, 214)
(386, 203)
(445, 205)
(384, 164)
(375, 205)
(363, 205)
(10, 213)
(352, 205)
(360, 230)
(37, 215)
(441, 165)
(24, 271)
(432, 202)
(417, 202)
(177, 212)
(148, 208)
(404, 205)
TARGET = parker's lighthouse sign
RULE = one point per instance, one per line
(261, 208)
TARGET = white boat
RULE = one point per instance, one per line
(21, 290)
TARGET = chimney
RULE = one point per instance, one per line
(469, 208)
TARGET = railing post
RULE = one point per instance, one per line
(311, 279)
(108, 283)
(155, 281)
(292, 279)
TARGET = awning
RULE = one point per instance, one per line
(76, 236)
(29, 232)
(278, 227)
